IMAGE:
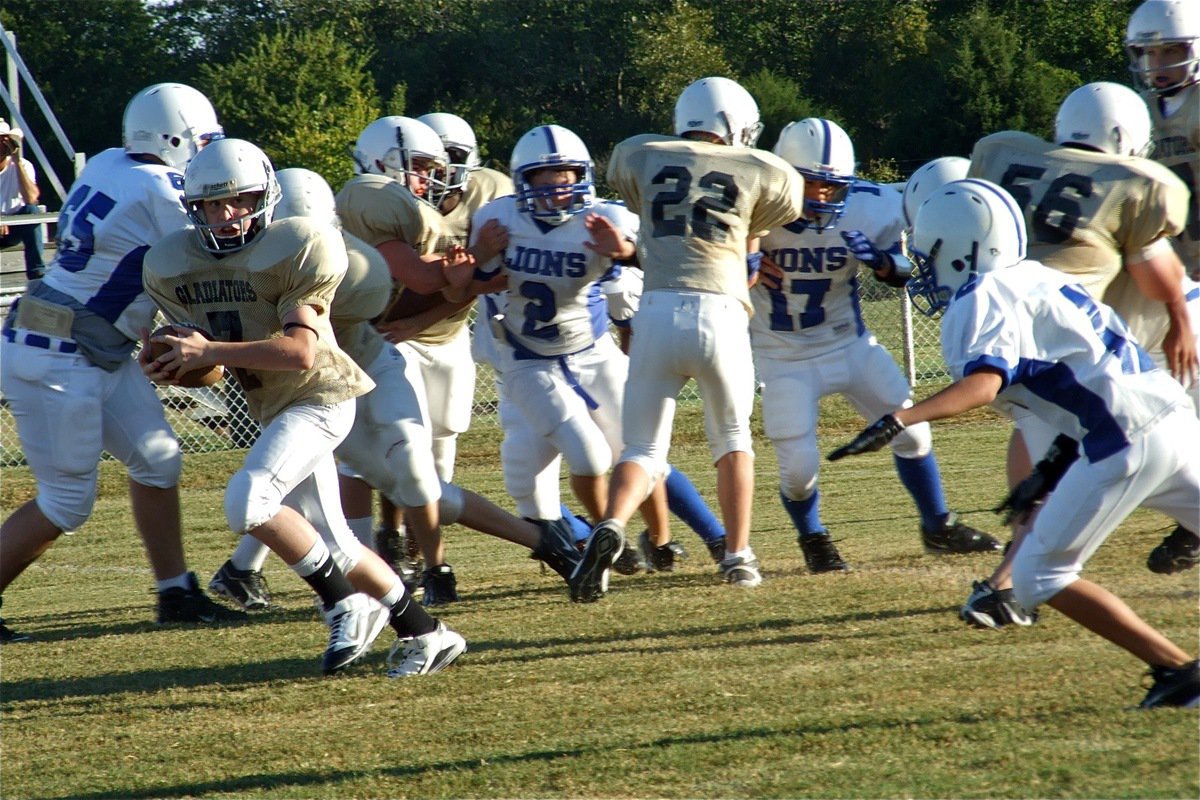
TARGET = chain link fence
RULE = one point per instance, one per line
(215, 418)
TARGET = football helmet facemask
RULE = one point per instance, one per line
(392, 145)
(304, 193)
(1106, 116)
(820, 151)
(1156, 23)
(462, 149)
(928, 178)
(721, 107)
(553, 147)
(169, 121)
(965, 229)
(228, 168)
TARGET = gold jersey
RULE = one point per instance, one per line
(484, 186)
(242, 296)
(360, 298)
(1084, 211)
(377, 209)
(1177, 147)
(699, 203)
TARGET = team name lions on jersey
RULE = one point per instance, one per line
(816, 307)
(552, 277)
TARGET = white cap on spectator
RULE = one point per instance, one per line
(5, 130)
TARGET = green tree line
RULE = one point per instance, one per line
(909, 79)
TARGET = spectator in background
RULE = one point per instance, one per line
(19, 195)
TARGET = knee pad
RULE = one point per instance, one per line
(798, 469)
(157, 460)
(450, 506)
(345, 560)
(583, 446)
(67, 514)
(249, 500)
(915, 441)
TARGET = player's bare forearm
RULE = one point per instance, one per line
(975, 390)
(421, 274)
(400, 330)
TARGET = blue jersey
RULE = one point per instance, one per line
(816, 310)
(1067, 358)
(116, 210)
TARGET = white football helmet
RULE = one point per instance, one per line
(965, 229)
(304, 194)
(462, 149)
(228, 168)
(388, 146)
(556, 147)
(820, 151)
(1162, 22)
(169, 121)
(1106, 116)
(718, 106)
(928, 178)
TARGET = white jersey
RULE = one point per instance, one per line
(1068, 359)
(553, 295)
(816, 310)
(117, 209)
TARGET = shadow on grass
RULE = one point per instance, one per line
(92, 624)
(497, 651)
(328, 779)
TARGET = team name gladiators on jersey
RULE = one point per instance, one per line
(218, 291)
(556, 263)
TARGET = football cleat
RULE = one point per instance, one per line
(741, 572)
(1178, 551)
(589, 581)
(354, 623)
(952, 536)
(425, 655)
(994, 608)
(661, 558)
(820, 554)
(440, 585)
(8, 635)
(1178, 687)
(716, 549)
(192, 605)
(557, 548)
(246, 587)
(630, 562)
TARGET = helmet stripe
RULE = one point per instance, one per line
(1005, 198)
(550, 145)
(827, 150)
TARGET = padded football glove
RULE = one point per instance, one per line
(872, 438)
(1029, 493)
(862, 248)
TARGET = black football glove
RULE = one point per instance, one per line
(873, 437)
(1029, 493)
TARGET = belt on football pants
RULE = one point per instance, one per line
(40, 340)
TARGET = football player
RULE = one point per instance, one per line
(388, 444)
(1103, 214)
(810, 339)
(560, 367)
(388, 205)
(700, 196)
(67, 343)
(1163, 42)
(1020, 334)
(262, 290)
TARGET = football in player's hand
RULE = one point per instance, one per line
(195, 378)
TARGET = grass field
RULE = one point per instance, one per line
(856, 685)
